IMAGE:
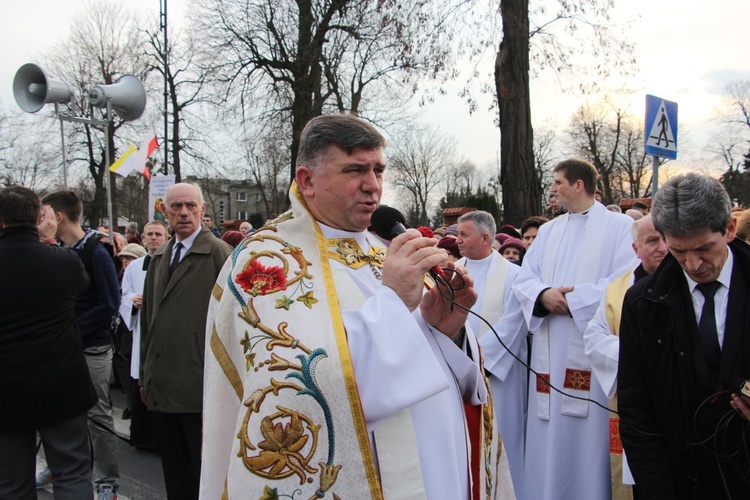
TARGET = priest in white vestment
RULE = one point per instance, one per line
(560, 286)
(493, 277)
(329, 372)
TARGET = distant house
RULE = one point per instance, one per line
(232, 201)
(627, 203)
(451, 215)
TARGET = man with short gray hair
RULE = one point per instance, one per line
(684, 347)
(178, 287)
(493, 278)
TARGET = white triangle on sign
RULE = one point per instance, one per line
(661, 135)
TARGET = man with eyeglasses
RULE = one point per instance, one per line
(179, 282)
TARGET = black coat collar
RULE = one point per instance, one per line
(19, 233)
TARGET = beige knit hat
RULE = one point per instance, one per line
(132, 250)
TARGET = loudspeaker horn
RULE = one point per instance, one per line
(127, 97)
(33, 88)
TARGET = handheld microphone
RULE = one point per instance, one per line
(737, 384)
(387, 222)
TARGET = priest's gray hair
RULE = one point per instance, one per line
(347, 132)
(483, 220)
(634, 231)
(689, 204)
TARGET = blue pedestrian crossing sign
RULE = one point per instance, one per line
(661, 127)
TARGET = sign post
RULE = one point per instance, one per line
(660, 133)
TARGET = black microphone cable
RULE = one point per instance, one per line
(720, 428)
(497, 336)
(450, 298)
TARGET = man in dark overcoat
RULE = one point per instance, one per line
(43, 372)
(685, 348)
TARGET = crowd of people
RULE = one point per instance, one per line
(587, 354)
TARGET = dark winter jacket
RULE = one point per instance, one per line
(43, 373)
(677, 435)
(97, 307)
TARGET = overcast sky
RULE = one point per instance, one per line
(686, 52)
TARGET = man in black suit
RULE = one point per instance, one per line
(684, 348)
(43, 372)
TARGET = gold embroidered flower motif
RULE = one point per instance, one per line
(377, 255)
(245, 343)
(255, 400)
(281, 449)
(277, 363)
(249, 360)
(269, 493)
(258, 279)
(347, 251)
(328, 475)
(307, 299)
(283, 303)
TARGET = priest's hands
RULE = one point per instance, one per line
(436, 309)
(553, 299)
(410, 256)
(741, 403)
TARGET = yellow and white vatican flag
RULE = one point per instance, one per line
(135, 159)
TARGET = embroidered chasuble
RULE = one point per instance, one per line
(567, 440)
(320, 383)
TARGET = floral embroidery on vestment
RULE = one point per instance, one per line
(290, 437)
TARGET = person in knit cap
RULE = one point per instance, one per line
(129, 253)
(451, 246)
(500, 238)
(233, 237)
(513, 250)
(510, 230)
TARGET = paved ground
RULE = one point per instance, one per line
(140, 471)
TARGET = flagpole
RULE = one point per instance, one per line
(64, 154)
(163, 15)
(108, 173)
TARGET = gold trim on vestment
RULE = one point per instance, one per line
(217, 292)
(349, 253)
(222, 357)
(347, 368)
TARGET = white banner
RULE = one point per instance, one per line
(157, 195)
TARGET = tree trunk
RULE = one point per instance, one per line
(521, 187)
(303, 88)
